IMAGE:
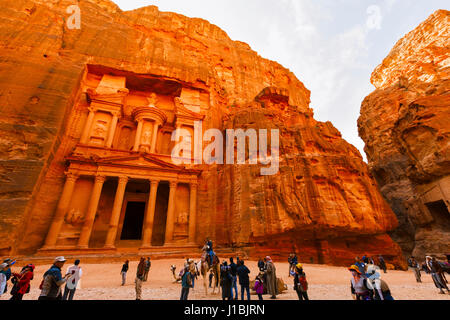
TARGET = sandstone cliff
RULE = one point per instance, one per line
(405, 124)
(323, 203)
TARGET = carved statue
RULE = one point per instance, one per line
(100, 129)
(74, 217)
(153, 100)
(146, 137)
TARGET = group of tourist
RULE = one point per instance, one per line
(434, 267)
(366, 282)
(51, 285)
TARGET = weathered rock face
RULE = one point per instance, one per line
(323, 203)
(405, 124)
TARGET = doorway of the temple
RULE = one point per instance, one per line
(134, 220)
(159, 222)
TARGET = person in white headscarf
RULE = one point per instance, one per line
(381, 288)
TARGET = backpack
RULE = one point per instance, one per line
(302, 283)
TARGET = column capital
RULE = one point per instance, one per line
(100, 179)
(173, 184)
(154, 182)
(117, 114)
(72, 176)
(123, 179)
(92, 109)
(193, 184)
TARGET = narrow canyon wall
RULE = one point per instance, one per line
(324, 202)
(405, 124)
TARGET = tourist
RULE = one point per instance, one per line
(192, 270)
(361, 266)
(259, 287)
(382, 263)
(381, 289)
(233, 270)
(226, 281)
(124, 271)
(186, 282)
(435, 269)
(139, 278)
(290, 264)
(271, 278)
(414, 265)
(53, 280)
(211, 276)
(4, 267)
(22, 282)
(7, 272)
(261, 265)
(148, 264)
(244, 281)
(300, 283)
(361, 288)
(72, 283)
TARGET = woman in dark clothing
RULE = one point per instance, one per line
(226, 281)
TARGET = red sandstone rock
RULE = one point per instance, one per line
(323, 203)
(405, 124)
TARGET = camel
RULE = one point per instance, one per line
(173, 268)
(205, 268)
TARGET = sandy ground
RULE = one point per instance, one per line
(103, 282)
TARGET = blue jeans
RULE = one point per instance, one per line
(234, 286)
(243, 288)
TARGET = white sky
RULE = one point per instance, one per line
(332, 46)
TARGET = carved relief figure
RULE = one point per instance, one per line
(74, 217)
(152, 100)
(100, 129)
(146, 137)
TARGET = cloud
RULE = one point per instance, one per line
(374, 18)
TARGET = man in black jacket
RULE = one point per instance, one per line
(233, 270)
(244, 281)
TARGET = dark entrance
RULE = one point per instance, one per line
(134, 219)
(440, 214)
(159, 222)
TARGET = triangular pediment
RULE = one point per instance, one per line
(183, 112)
(140, 160)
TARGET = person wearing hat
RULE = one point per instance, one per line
(22, 282)
(53, 280)
(7, 273)
(360, 287)
(4, 267)
(300, 283)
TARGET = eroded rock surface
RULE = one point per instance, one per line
(323, 203)
(405, 124)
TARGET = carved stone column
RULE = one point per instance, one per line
(150, 215)
(112, 130)
(115, 215)
(170, 213)
(83, 241)
(88, 126)
(137, 140)
(61, 211)
(192, 211)
(154, 137)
